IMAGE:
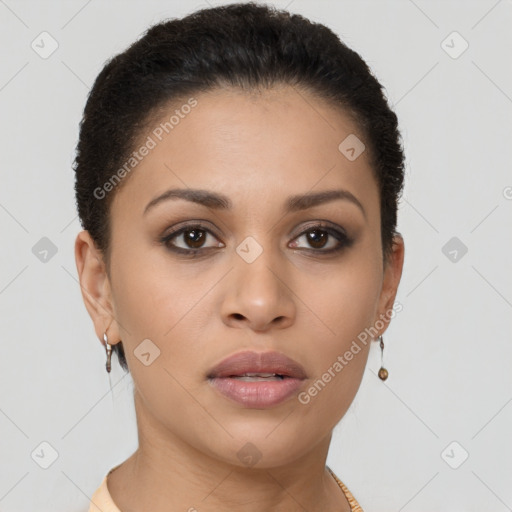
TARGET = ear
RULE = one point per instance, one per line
(391, 280)
(95, 287)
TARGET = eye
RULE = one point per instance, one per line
(319, 237)
(192, 236)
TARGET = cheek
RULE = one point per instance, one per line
(343, 311)
(152, 304)
(162, 302)
(345, 299)
(148, 291)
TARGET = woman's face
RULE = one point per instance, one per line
(259, 276)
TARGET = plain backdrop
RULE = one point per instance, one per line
(436, 434)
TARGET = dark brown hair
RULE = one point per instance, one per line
(245, 45)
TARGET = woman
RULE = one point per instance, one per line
(237, 178)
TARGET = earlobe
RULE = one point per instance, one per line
(94, 284)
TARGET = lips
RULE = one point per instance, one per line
(264, 363)
(258, 380)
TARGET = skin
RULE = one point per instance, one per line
(257, 149)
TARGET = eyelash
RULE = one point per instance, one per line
(344, 240)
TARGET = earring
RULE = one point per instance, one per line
(383, 373)
(108, 348)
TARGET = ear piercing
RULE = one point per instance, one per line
(108, 348)
(383, 373)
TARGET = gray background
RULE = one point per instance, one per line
(448, 351)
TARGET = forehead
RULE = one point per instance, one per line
(263, 144)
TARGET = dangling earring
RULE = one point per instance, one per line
(383, 373)
(108, 348)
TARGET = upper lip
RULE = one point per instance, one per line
(258, 362)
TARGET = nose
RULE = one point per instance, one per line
(258, 295)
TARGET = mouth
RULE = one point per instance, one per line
(259, 377)
(259, 365)
(257, 380)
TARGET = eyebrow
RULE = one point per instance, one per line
(219, 201)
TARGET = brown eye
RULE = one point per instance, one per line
(317, 238)
(194, 237)
(191, 238)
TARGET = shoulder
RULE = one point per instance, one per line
(354, 505)
(101, 501)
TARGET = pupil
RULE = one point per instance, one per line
(192, 234)
(316, 235)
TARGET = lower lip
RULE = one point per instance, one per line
(257, 394)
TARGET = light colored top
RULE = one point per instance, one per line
(101, 500)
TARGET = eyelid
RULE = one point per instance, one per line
(188, 226)
(322, 224)
(343, 240)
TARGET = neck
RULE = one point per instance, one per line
(167, 474)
